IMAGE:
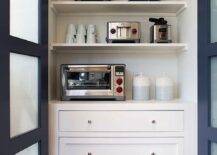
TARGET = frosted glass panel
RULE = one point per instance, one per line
(32, 150)
(214, 92)
(23, 93)
(213, 21)
(24, 19)
(213, 148)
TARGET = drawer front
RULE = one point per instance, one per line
(120, 147)
(114, 121)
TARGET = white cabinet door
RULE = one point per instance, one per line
(131, 146)
(114, 121)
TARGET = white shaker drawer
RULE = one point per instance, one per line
(100, 146)
(115, 121)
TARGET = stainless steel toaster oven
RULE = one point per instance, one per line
(97, 82)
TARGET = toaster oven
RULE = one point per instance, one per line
(97, 82)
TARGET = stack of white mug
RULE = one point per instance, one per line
(81, 34)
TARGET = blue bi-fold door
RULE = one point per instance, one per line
(207, 77)
(23, 77)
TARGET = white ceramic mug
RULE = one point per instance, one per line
(81, 33)
(69, 39)
(71, 29)
(91, 34)
(81, 29)
(71, 33)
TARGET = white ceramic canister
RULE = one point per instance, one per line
(164, 90)
(141, 87)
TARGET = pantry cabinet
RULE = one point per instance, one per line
(126, 127)
(33, 47)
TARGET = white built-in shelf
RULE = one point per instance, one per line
(119, 6)
(120, 48)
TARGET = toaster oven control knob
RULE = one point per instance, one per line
(134, 31)
(119, 89)
(113, 31)
(119, 81)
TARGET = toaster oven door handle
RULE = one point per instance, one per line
(120, 27)
(105, 68)
(88, 66)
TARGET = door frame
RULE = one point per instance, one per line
(20, 46)
(206, 50)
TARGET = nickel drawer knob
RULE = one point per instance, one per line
(89, 153)
(89, 122)
(153, 122)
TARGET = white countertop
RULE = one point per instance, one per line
(120, 105)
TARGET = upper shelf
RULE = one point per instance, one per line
(119, 6)
(120, 48)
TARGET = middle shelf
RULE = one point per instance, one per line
(120, 48)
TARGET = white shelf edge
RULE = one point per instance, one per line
(122, 105)
(130, 102)
(122, 44)
(122, 48)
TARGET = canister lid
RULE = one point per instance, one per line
(141, 80)
(164, 81)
